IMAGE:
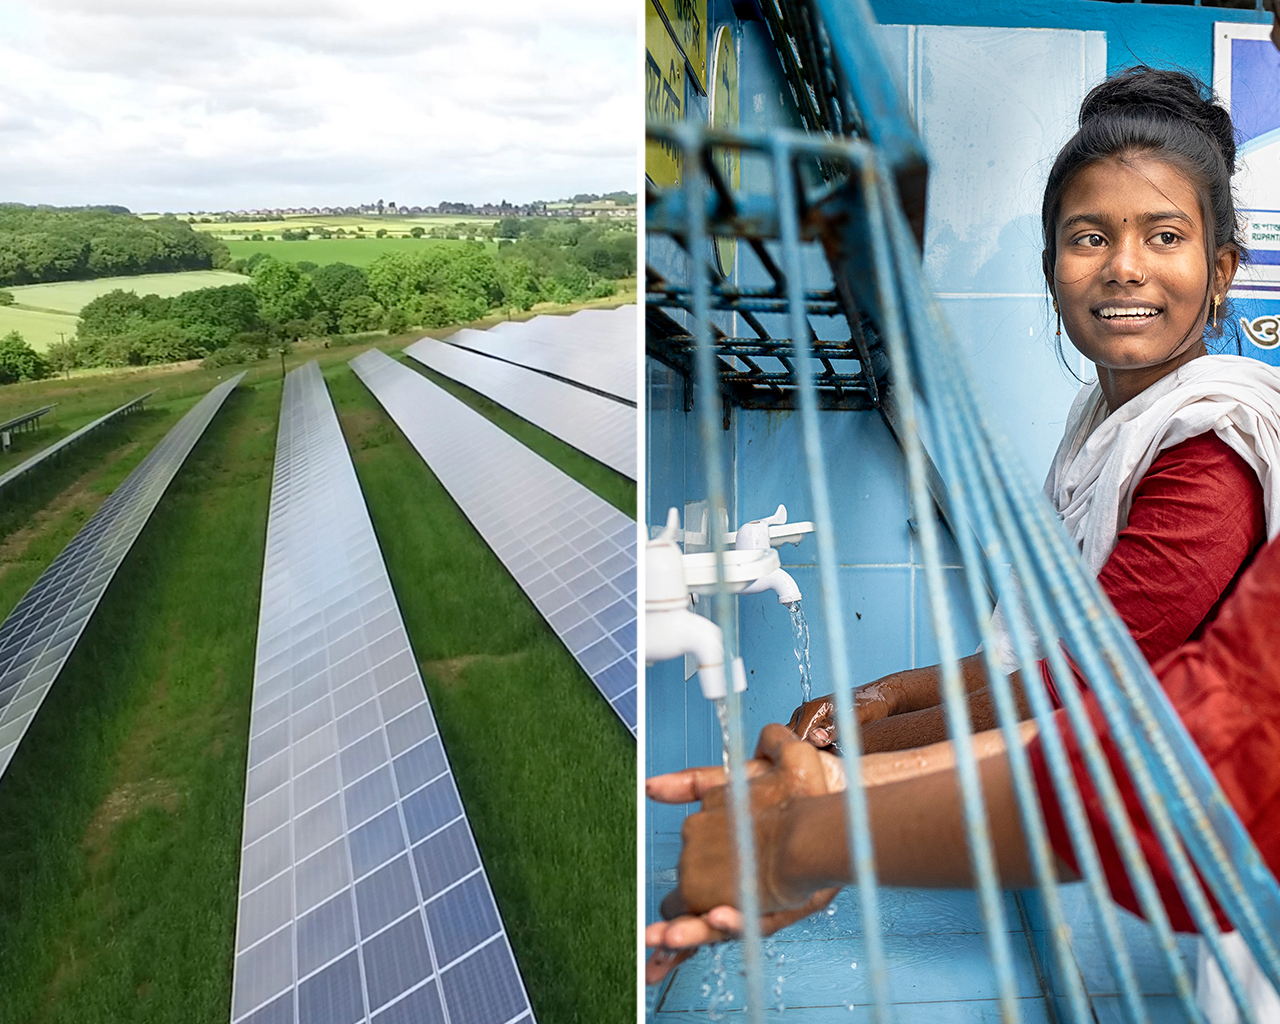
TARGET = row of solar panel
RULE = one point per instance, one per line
(26, 419)
(362, 891)
(595, 348)
(47, 453)
(39, 634)
(362, 895)
(601, 427)
(571, 552)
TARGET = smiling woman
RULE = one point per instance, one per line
(1130, 276)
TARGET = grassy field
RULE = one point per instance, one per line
(359, 252)
(393, 225)
(73, 296)
(122, 808)
(38, 329)
(42, 313)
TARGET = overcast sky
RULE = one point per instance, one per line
(183, 105)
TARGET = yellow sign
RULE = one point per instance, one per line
(724, 114)
(663, 96)
(688, 21)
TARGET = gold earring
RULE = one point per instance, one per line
(1216, 300)
(1059, 314)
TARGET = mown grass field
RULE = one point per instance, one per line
(38, 329)
(44, 313)
(359, 252)
(73, 296)
(120, 848)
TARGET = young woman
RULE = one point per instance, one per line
(1164, 475)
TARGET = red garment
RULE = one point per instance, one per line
(1196, 523)
(1225, 687)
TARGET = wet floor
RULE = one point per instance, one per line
(938, 966)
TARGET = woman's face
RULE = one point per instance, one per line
(1130, 277)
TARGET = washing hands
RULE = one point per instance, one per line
(783, 774)
(916, 823)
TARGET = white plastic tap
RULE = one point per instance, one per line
(756, 536)
(671, 629)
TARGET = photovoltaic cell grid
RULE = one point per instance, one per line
(72, 438)
(598, 426)
(39, 634)
(362, 895)
(595, 347)
(572, 552)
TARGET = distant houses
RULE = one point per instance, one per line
(592, 208)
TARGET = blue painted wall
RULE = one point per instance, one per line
(1160, 34)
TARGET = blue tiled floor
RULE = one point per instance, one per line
(934, 945)
(938, 964)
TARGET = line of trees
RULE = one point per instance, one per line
(285, 301)
(45, 243)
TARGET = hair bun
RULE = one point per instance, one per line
(1155, 92)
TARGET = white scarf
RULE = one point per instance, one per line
(1102, 458)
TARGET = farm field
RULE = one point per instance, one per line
(394, 225)
(42, 313)
(72, 296)
(359, 252)
(38, 329)
(123, 806)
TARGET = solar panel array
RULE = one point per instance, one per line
(57, 446)
(26, 419)
(595, 347)
(598, 426)
(362, 896)
(43, 628)
(572, 552)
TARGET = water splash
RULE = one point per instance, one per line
(771, 953)
(800, 644)
(722, 713)
(715, 986)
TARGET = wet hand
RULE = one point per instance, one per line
(701, 910)
(815, 721)
(673, 942)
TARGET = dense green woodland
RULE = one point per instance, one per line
(45, 243)
(536, 260)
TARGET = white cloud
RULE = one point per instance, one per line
(207, 104)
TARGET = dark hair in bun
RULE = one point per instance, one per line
(1169, 115)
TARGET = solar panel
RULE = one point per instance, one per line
(57, 446)
(26, 419)
(595, 347)
(362, 896)
(572, 552)
(598, 426)
(43, 628)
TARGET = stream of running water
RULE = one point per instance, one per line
(800, 644)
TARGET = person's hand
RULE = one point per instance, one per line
(673, 942)
(815, 721)
(701, 909)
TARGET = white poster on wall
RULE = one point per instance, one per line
(1246, 78)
